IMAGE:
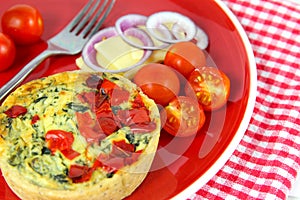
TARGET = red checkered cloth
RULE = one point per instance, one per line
(267, 160)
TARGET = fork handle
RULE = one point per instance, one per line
(21, 75)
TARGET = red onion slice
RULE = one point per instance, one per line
(89, 52)
(130, 21)
(167, 17)
(201, 38)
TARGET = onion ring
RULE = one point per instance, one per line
(201, 38)
(134, 21)
(89, 52)
(167, 17)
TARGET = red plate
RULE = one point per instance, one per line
(182, 165)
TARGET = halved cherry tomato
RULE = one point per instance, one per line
(185, 57)
(183, 116)
(23, 23)
(7, 52)
(211, 86)
(159, 82)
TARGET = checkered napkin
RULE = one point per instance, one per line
(267, 160)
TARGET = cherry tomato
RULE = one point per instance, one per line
(159, 82)
(7, 52)
(183, 116)
(184, 57)
(211, 86)
(23, 23)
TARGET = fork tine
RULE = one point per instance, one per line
(92, 22)
(98, 25)
(86, 18)
(79, 16)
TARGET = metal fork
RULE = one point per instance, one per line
(68, 41)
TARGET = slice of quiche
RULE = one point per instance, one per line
(77, 135)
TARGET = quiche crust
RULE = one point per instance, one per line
(31, 186)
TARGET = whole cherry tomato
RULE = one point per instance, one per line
(23, 23)
(159, 82)
(210, 85)
(7, 52)
(185, 57)
(183, 116)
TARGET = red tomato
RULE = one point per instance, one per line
(159, 82)
(7, 52)
(23, 23)
(210, 85)
(183, 117)
(185, 57)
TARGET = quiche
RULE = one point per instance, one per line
(77, 135)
